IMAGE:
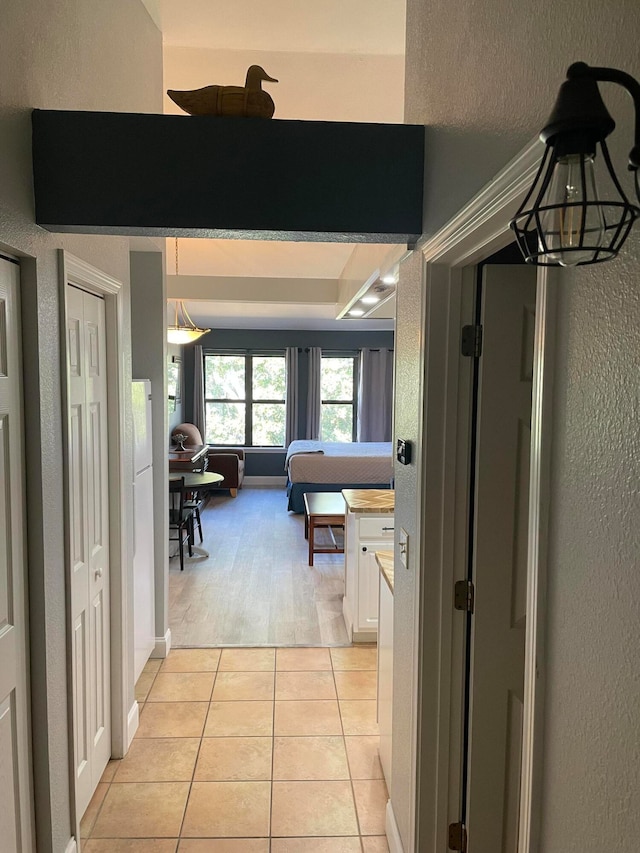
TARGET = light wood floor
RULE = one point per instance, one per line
(256, 588)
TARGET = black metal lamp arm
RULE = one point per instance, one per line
(612, 75)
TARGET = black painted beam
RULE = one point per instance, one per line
(161, 175)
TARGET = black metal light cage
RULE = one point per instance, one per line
(578, 124)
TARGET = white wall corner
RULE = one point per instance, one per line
(163, 645)
(133, 720)
(71, 847)
(392, 831)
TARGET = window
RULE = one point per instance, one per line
(338, 384)
(245, 399)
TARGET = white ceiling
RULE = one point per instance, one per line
(258, 258)
(298, 26)
(206, 42)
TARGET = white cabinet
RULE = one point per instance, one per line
(385, 675)
(365, 533)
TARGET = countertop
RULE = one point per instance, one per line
(369, 500)
(384, 559)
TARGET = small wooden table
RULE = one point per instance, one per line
(323, 509)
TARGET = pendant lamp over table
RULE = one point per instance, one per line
(184, 330)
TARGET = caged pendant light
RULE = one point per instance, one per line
(564, 219)
(184, 330)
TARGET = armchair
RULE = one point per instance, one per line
(223, 460)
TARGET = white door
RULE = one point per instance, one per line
(500, 566)
(16, 817)
(88, 538)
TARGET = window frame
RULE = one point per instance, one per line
(248, 400)
(354, 355)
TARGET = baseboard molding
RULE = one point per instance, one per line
(71, 847)
(393, 833)
(133, 720)
(163, 645)
(274, 482)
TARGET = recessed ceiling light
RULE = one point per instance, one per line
(370, 300)
(356, 312)
(389, 278)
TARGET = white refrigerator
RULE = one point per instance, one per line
(143, 562)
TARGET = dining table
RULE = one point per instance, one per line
(195, 481)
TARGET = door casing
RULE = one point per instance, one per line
(15, 693)
(476, 232)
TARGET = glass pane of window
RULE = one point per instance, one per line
(225, 423)
(336, 382)
(268, 424)
(268, 377)
(224, 377)
(336, 422)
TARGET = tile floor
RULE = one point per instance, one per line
(248, 751)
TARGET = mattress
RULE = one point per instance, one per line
(332, 462)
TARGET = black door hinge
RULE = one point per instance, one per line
(471, 343)
(464, 598)
(458, 837)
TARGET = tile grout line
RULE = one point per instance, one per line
(344, 742)
(110, 782)
(273, 747)
(216, 672)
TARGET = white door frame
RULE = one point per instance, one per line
(123, 718)
(476, 232)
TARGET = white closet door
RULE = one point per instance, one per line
(89, 538)
(16, 817)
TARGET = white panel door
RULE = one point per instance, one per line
(16, 817)
(500, 566)
(88, 538)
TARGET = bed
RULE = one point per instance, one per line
(325, 466)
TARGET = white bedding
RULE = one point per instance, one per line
(332, 462)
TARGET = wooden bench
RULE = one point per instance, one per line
(323, 509)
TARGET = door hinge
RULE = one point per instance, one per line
(457, 837)
(464, 598)
(472, 341)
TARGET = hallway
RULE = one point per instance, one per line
(248, 751)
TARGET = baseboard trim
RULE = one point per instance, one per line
(275, 482)
(393, 833)
(133, 720)
(71, 847)
(163, 645)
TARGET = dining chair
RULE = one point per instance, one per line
(180, 519)
(195, 502)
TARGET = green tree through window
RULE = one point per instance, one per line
(338, 382)
(245, 398)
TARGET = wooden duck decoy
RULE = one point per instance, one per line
(247, 100)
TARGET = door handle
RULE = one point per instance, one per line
(98, 573)
(388, 528)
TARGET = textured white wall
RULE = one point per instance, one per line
(483, 76)
(149, 354)
(60, 55)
